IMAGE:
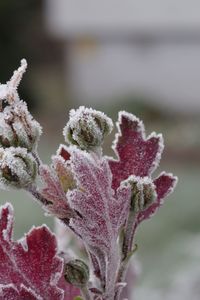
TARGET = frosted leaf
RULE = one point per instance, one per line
(54, 193)
(17, 75)
(34, 270)
(136, 154)
(101, 212)
(18, 168)
(87, 128)
(139, 156)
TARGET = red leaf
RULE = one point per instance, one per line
(9, 292)
(136, 154)
(29, 266)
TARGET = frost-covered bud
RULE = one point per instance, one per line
(18, 168)
(76, 272)
(87, 128)
(18, 128)
(143, 192)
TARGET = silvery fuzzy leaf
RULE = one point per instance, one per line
(100, 213)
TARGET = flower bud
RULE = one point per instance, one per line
(76, 272)
(143, 192)
(18, 168)
(17, 127)
(87, 128)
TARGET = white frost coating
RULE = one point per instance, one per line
(23, 242)
(3, 91)
(10, 217)
(5, 129)
(15, 81)
(161, 146)
(139, 180)
(6, 231)
(63, 239)
(75, 115)
(174, 183)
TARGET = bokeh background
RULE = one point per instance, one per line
(139, 56)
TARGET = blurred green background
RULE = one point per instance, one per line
(48, 89)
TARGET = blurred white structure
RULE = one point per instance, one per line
(128, 47)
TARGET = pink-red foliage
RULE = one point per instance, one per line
(139, 156)
(30, 268)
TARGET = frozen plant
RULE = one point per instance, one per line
(101, 199)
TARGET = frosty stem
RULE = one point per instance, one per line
(128, 236)
(37, 195)
(127, 250)
(85, 293)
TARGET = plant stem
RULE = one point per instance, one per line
(85, 293)
(129, 235)
(36, 194)
(126, 251)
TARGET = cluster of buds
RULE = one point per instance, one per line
(19, 136)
